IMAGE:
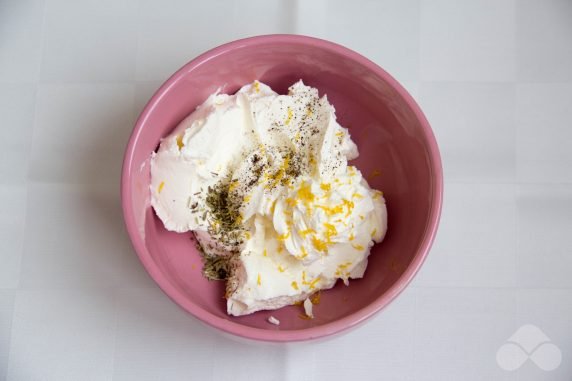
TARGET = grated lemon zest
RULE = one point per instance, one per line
(291, 202)
(304, 233)
(288, 116)
(349, 205)
(330, 211)
(283, 237)
(330, 231)
(315, 298)
(233, 185)
(180, 143)
(319, 244)
(377, 194)
(305, 193)
(314, 282)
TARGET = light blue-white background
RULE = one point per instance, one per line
(495, 80)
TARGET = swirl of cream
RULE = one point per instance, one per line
(313, 216)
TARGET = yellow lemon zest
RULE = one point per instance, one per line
(349, 205)
(257, 86)
(291, 202)
(330, 211)
(315, 298)
(281, 269)
(233, 185)
(273, 179)
(330, 232)
(258, 280)
(351, 237)
(326, 186)
(357, 195)
(313, 283)
(312, 160)
(304, 278)
(319, 244)
(294, 285)
(304, 233)
(373, 232)
(265, 253)
(339, 133)
(180, 143)
(160, 188)
(357, 247)
(305, 192)
(288, 116)
(341, 269)
(283, 237)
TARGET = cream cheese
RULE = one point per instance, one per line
(264, 179)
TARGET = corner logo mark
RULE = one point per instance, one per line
(529, 342)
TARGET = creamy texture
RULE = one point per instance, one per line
(263, 179)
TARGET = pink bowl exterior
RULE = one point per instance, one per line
(134, 184)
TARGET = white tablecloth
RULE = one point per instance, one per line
(495, 80)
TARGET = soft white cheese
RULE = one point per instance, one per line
(308, 308)
(306, 218)
(273, 320)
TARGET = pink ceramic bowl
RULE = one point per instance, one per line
(398, 153)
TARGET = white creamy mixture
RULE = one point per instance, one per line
(263, 181)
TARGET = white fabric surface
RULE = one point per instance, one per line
(495, 80)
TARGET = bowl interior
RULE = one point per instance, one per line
(395, 156)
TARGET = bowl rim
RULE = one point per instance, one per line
(310, 333)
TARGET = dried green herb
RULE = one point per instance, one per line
(216, 267)
(224, 205)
